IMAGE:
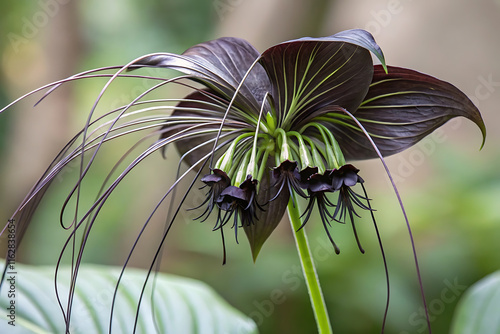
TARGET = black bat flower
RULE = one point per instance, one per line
(301, 106)
(290, 103)
(318, 187)
(343, 179)
(217, 182)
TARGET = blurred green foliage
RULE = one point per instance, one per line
(452, 209)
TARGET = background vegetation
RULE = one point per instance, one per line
(450, 188)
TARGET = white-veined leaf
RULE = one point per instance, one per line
(181, 305)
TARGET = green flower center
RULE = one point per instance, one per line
(314, 145)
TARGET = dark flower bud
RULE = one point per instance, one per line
(230, 197)
(287, 174)
(321, 182)
(241, 202)
(305, 175)
(217, 181)
(346, 175)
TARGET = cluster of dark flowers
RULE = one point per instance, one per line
(310, 182)
(299, 110)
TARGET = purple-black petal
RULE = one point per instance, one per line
(309, 73)
(401, 108)
(268, 219)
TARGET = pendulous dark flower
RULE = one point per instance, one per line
(318, 187)
(343, 179)
(217, 181)
(287, 176)
(241, 202)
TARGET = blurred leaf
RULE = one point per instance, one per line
(478, 311)
(181, 305)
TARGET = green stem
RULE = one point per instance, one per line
(307, 262)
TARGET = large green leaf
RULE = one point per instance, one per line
(479, 309)
(181, 305)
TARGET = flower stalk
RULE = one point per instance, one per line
(309, 270)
